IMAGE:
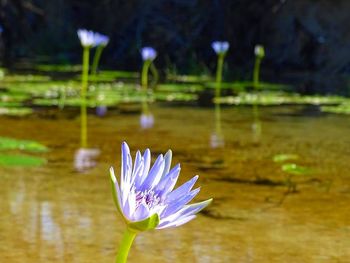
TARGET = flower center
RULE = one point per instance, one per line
(148, 197)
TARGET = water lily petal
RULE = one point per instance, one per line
(176, 223)
(154, 174)
(167, 162)
(141, 213)
(168, 181)
(182, 190)
(176, 205)
(186, 211)
(146, 165)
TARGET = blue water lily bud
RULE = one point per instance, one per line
(148, 53)
(219, 47)
(145, 195)
(259, 51)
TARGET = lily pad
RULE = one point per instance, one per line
(295, 169)
(15, 111)
(285, 157)
(26, 145)
(21, 160)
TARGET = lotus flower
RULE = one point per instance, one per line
(259, 51)
(148, 53)
(220, 48)
(145, 197)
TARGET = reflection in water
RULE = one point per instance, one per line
(217, 138)
(85, 159)
(101, 110)
(256, 126)
(146, 118)
(243, 225)
(259, 52)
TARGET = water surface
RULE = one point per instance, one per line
(55, 214)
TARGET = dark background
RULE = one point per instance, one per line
(307, 41)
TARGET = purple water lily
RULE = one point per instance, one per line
(220, 47)
(90, 38)
(146, 193)
(148, 53)
(101, 40)
(86, 37)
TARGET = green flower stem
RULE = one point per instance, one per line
(125, 246)
(144, 75)
(155, 74)
(83, 110)
(256, 72)
(96, 59)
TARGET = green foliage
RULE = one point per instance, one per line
(285, 157)
(25, 145)
(20, 160)
(295, 169)
(19, 112)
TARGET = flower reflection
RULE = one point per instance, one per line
(217, 140)
(101, 110)
(85, 159)
(256, 129)
(146, 120)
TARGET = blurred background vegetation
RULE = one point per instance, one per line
(306, 41)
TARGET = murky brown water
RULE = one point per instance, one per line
(54, 214)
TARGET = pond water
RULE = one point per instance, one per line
(55, 214)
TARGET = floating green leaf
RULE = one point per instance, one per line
(21, 160)
(278, 158)
(295, 169)
(26, 145)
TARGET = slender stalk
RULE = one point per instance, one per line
(96, 59)
(144, 74)
(256, 114)
(83, 110)
(125, 246)
(219, 74)
(155, 74)
(256, 72)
